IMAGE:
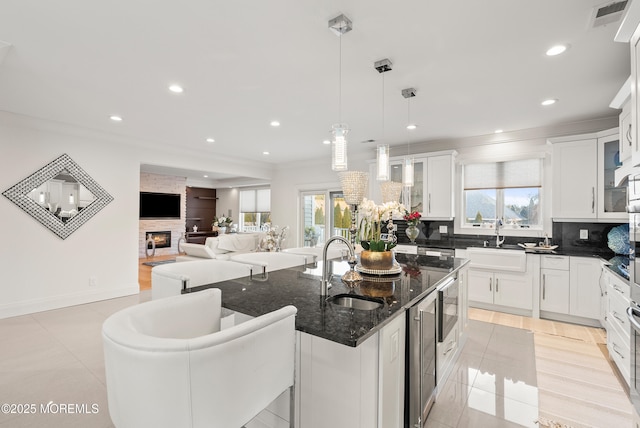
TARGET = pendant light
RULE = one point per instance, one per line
(383, 167)
(407, 167)
(339, 25)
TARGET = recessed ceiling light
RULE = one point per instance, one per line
(556, 50)
(210, 140)
(275, 123)
(115, 118)
(412, 126)
(205, 176)
(326, 142)
(265, 153)
(177, 89)
(498, 131)
(549, 102)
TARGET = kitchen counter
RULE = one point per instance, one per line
(300, 286)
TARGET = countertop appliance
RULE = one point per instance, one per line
(633, 312)
(420, 382)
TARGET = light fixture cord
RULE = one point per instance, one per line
(340, 79)
(408, 123)
(383, 107)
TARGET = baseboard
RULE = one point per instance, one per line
(65, 300)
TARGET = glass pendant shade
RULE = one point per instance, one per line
(407, 172)
(384, 169)
(339, 147)
(354, 185)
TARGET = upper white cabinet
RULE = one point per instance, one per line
(439, 187)
(583, 178)
(432, 193)
(574, 178)
(627, 146)
(612, 199)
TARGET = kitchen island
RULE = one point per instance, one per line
(350, 362)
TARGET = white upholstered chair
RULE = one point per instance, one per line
(168, 364)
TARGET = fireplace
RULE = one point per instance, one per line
(161, 239)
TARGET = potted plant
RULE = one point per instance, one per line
(377, 252)
(221, 222)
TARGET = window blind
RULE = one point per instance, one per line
(501, 175)
(255, 201)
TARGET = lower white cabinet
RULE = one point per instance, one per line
(585, 293)
(617, 323)
(571, 290)
(554, 290)
(509, 289)
(446, 351)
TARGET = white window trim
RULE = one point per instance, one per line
(460, 227)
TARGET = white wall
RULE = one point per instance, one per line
(41, 271)
(228, 201)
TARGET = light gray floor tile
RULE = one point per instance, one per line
(450, 403)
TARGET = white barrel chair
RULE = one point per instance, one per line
(168, 364)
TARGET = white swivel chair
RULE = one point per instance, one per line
(168, 364)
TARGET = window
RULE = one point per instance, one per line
(510, 191)
(321, 220)
(255, 209)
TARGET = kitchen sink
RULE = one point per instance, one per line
(355, 302)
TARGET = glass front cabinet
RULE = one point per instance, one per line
(432, 191)
(612, 200)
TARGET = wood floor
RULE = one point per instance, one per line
(144, 271)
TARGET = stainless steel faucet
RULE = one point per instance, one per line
(350, 276)
(498, 240)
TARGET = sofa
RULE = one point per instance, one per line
(170, 279)
(220, 247)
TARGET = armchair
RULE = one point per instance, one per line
(168, 364)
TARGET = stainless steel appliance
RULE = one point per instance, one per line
(421, 361)
(633, 312)
(447, 307)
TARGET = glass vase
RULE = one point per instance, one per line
(412, 232)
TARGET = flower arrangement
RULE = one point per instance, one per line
(371, 218)
(412, 218)
(222, 221)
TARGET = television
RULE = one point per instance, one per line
(155, 205)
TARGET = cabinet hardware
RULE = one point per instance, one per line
(544, 286)
(593, 199)
(615, 287)
(490, 284)
(616, 351)
(615, 315)
(629, 136)
(496, 285)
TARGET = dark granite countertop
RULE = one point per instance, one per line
(300, 286)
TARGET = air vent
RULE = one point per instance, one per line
(608, 13)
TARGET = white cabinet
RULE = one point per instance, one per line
(617, 323)
(612, 199)
(584, 287)
(554, 284)
(574, 179)
(438, 198)
(432, 193)
(635, 99)
(626, 133)
(508, 289)
(583, 178)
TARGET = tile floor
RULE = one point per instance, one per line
(511, 371)
(514, 371)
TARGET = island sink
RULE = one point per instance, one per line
(355, 302)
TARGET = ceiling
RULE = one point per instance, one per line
(476, 67)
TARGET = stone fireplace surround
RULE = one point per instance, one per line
(163, 184)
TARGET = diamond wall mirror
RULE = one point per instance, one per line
(60, 195)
